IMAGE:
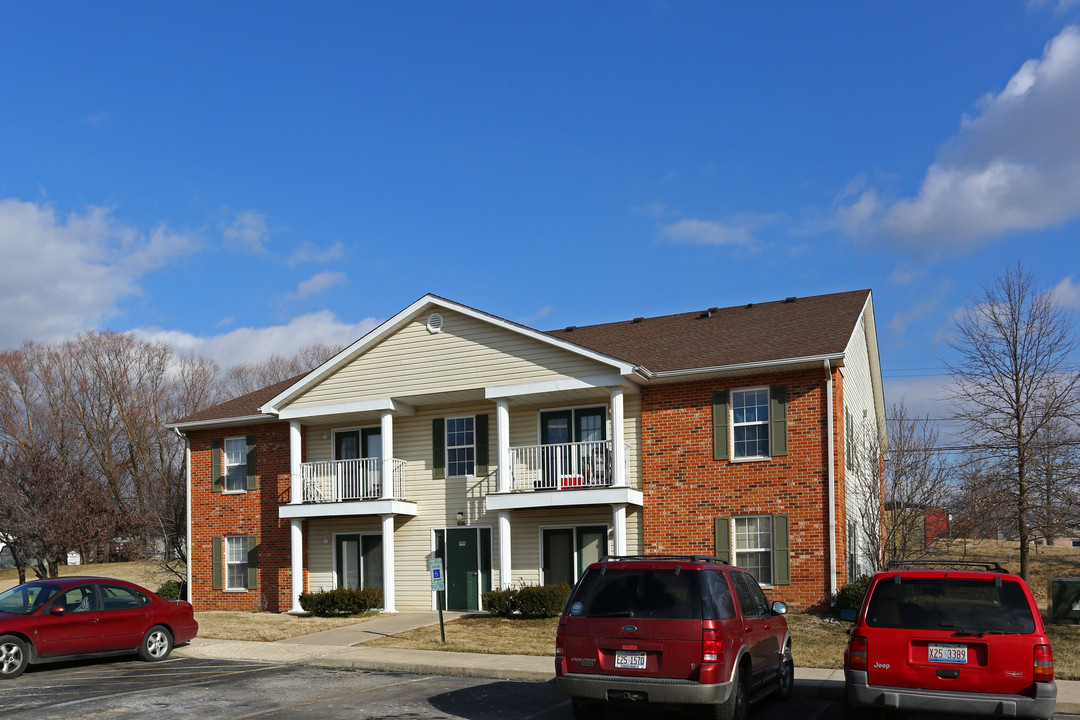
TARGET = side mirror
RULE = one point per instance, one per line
(57, 609)
(779, 608)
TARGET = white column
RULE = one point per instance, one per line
(502, 425)
(388, 562)
(386, 424)
(296, 492)
(296, 537)
(504, 550)
(618, 525)
(618, 447)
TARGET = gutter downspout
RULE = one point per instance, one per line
(187, 493)
(832, 483)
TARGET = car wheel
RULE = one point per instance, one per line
(588, 711)
(156, 644)
(785, 675)
(14, 657)
(734, 708)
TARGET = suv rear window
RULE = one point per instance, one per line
(640, 593)
(943, 603)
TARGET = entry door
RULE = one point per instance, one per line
(462, 569)
(348, 562)
(371, 566)
(371, 448)
(558, 556)
(556, 432)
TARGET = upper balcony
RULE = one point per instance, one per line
(562, 466)
(350, 487)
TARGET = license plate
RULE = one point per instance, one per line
(629, 661)
(947, 653)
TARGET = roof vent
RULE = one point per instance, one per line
(710, 312)
(638, 319)
(790, 299)
(749, 305)
(570, 328)
(434, 323)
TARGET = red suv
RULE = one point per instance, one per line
(957, 640)
(670, 631)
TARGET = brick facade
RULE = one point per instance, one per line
(685, 489)
(255, 512)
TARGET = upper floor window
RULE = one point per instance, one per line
(750, 422)
(460, 447)
(235, 464)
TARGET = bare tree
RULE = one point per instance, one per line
(1055, 472)
(1013, 380)
(244, 378)
(896, 511)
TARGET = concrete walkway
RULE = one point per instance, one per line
(344, 648)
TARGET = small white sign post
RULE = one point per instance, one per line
(438, 585)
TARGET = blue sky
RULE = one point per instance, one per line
(247, 178)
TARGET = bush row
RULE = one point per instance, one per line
(342, 602)
(850, 596)
(534, 601)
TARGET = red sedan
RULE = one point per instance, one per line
(78, 617)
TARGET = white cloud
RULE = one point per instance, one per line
(253, 344)
(537, 316)
(248, 231)
(63, 275)
(310, 253)
(1067, 293)
(1014, 166)
(317, 284)
(738, 231)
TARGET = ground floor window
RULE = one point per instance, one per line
(758, 543)
(358, 561)
(567, 551)
(236, 565)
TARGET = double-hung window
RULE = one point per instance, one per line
(460, 447)
(235, 464)
(236, 562)
(750, 422)
(754, 546)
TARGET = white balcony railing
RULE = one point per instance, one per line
(562, 467)
(341, 480)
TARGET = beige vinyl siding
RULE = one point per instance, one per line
(321, 554)
(468, 354)
(859, 402)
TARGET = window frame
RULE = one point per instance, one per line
(226, 466)
(770, 551)
(227, 563)
(766, 423)
(448, 447)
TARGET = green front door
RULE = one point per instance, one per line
(462, 569)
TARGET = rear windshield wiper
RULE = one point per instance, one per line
(615, 613)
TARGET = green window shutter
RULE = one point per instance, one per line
(252, 464)
(781, 550)
(722, 534)
(778, 418)
(480, 436)
(438, 448)
(253, 562)
(217, 476)
(219, 555)
(720, 425)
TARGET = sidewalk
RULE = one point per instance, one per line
(344, 648)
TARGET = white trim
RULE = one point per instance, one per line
(767, 423)
(560, 385)
(446, 446)
(360, 406)
(296, 556)
(187, 492)
(815, 360)
(242, 420)
(344, 509)
(393, 324)
(563, 498)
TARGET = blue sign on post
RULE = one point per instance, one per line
(438, 582)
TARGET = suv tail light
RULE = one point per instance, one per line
(712, 646)
(560, 641)
(855, 657)
(1044, 664)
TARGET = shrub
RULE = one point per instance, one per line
(501, 602)
(542, 601)
(170, 590)
(342, 602)
(851, 595)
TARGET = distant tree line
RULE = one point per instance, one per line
(86, 461)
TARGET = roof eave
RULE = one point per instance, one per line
(738, 368)
(221, 422)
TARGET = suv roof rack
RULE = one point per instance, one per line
(684, 558)
(943, 564)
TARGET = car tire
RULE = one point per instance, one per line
(156, 644)
(588, 711)
(14, 657)
(785, 675)
(734, 708)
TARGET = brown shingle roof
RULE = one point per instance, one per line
(240, 407)
(759, 332)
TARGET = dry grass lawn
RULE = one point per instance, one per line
(143, 572)
(481, 634)
(264, 626)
